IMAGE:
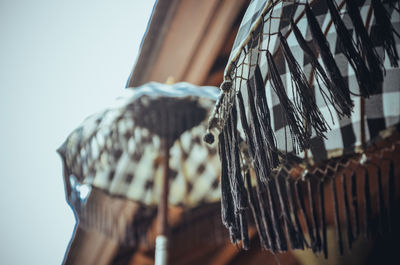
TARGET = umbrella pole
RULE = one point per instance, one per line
(161, 254)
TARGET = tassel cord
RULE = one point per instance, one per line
(334, 97)
(342, 92)
(349, 49)
(307, 106)
(298, 132)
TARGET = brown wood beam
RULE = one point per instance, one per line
(193, 38)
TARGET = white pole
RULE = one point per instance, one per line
(161, 254)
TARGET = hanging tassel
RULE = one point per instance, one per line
(317, 246)
(260, 216)
(227, 209)
(265, 241)
(321, 193)
(299, 135)
(347, 217)
(343, 92)
(244, 231)
(257, 213)
(234, 228)
(392, 4)
(307, 105)
(367, 206)
(295, 210)
(385, 31)
(262, 167)
(285, 212)
(381, 210)
(320, 76)
(367, 49)
(300, 197)
(352, 53)
(243, 119)
(274, 210)
(264, 118)
(267, 215)
(391, 186)
(234, 233)
(336, 216)
(236, 179)
(354, 200)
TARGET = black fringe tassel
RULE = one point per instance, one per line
(267, 216)
(298, 132)
(367, 49)
(236, 179)
(347, 216)
(286, 216)
(354, 199)
(264, 118)
(307, 105)
(321, 193)
(381, 209)
(227, 209)
(294, 209)
(261, 166)
(336, 216)
(367, 205)
(300, 197)
(343, 92)
(245, 126)
(276, 218)
(316, 247)
(257, 216)
(391, 191)
(385, 31)
(335, 93)
(350, 50)
(237, 183)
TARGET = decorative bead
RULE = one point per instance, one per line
(226, 86)
(208, 138)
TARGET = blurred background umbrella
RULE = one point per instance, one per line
(118, 162)
(310, 96)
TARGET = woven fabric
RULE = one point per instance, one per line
(307, 82)
(382, 109)
(110, 151)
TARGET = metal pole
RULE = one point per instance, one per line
(161, 254)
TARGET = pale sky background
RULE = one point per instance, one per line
(59, 62)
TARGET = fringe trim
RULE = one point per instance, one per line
(352, 53)
(321, 76)
(386, 31)
(343, 92)
(295, 193)
(278, 198)
(133, 225)
(121, 219)
(307, 106)
(292, 117)
(367, 50)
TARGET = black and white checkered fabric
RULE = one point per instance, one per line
(382, 109)
(111, 152)
(307, 81)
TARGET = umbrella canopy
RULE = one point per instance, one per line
(116, 154)
(306, 81)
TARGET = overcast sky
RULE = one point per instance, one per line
(59, 62)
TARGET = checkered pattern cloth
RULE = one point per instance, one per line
(113, 152)
(262, 21)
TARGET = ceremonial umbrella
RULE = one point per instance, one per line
(145, 146)
(310, 87)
